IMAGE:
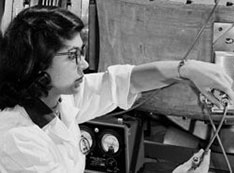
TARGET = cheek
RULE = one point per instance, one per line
(63, 76)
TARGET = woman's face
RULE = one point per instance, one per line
(67, 73)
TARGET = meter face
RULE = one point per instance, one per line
(88, 136)
(110, 143)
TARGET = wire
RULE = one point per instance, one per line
(217, 136)
(201, 30)
(218, 129)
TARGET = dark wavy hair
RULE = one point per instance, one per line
(27, 49)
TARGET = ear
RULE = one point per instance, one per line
(43, 78)
(40, 86)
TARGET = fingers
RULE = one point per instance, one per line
(212, 98)
(227, 76)
(223, 96)
(205, 164)
(199, 153)
(206, 159)
(219, 95)
(230, 94)
(226, 86)
(215, 79)
(229, 79)
(196, 155)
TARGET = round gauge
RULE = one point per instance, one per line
(85, 134)
(110, 143)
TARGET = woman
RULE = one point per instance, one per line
(44, 93)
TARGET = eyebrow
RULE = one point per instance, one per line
(75, 47)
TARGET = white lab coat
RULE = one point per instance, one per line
(27, 148)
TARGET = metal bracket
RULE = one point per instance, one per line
(223, 37)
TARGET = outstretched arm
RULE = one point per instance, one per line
(205, 76)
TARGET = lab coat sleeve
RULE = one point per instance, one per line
(27, 153)
(101, 93)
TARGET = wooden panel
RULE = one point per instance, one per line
(136, 32)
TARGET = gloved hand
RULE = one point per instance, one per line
(187, 166)
(206, 77)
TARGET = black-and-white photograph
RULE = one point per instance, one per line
(116, 86)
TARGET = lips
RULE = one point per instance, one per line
(78, 81)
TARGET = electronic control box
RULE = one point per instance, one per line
(116, 145)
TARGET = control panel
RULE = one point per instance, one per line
(116, 145)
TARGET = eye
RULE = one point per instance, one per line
(72, 55)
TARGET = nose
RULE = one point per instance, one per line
(83, 63)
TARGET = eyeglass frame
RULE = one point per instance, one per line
(77, 53)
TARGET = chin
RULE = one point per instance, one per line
(75, 89)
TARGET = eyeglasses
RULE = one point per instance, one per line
(74, 53)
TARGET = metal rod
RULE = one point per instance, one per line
(201, 30)
(218, 129)
(218, 138)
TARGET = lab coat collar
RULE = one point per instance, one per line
(44, 117)
(39, 112)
